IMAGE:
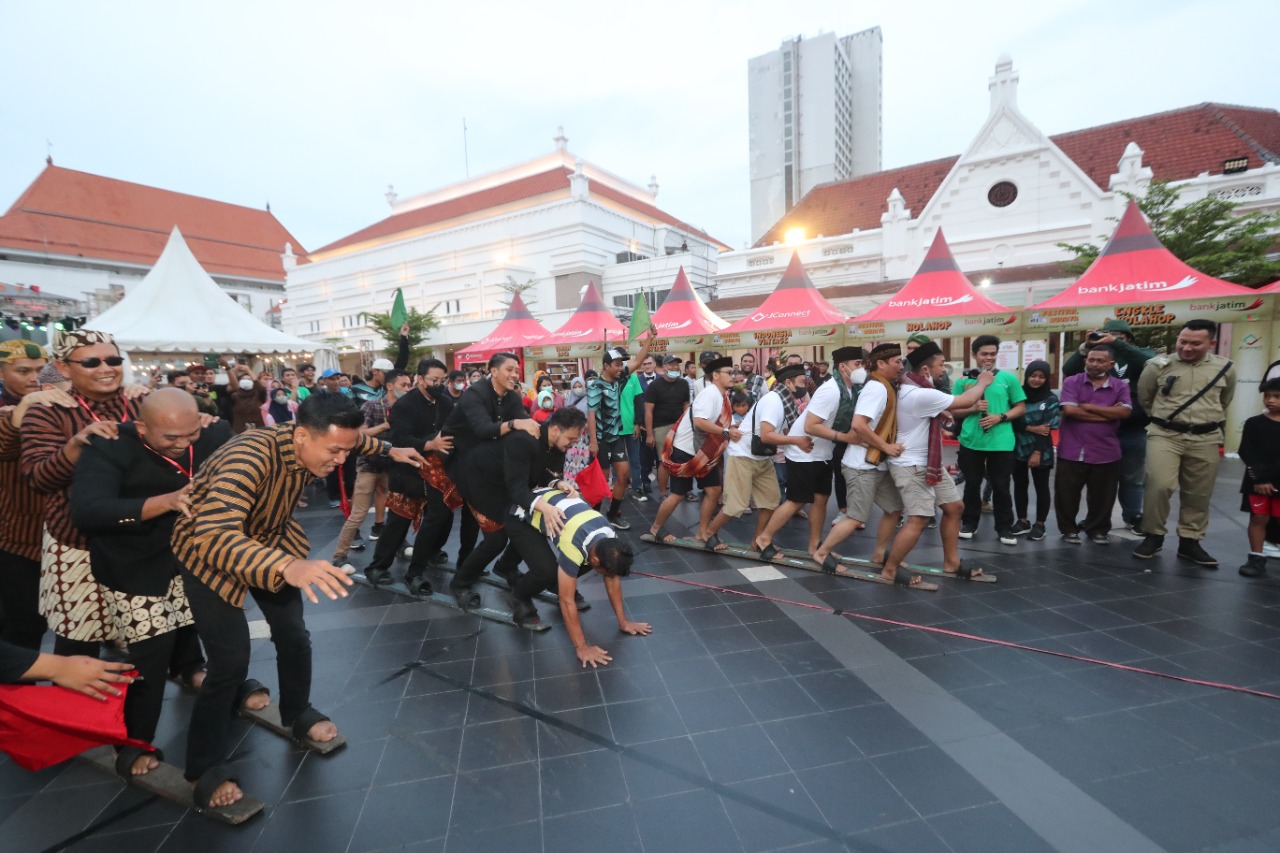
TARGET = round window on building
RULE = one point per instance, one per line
(1002, 194)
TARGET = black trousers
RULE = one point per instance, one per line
(494, 546)
(1037, 477)
(996, 466)
(175, 653)
(1102, 482)
(839, 487)
(536, 552)
(431, 538)
(225, 632)
(20, 621)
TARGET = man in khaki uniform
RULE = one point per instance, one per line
(1187, 395)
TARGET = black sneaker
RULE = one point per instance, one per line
(619, 523)
(1255, 566)
(1037, 532)
(638, 496)
(1071, 538)
(357, 544)
(1020, 527)
(1007, 537)
(525, 614)
(966, 532)
(1099, 539)
(1151, 545)
(375, 531)
(1190, 549)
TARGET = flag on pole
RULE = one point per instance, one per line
(640, 318)
(399, 314)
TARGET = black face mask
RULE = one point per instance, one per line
(434, 391)
(800, 392)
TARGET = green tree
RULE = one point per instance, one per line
(1206, 235)
(420, 325)
(513, 288)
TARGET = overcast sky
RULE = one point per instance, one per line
(316, 107)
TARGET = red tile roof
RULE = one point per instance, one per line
(65, 212)
(553, 181)
(1177, 145)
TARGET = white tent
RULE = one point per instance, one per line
(178, 308)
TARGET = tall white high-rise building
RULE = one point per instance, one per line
(814, 116)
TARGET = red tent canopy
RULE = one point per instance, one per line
(795, 306)
(1135, 269)
(589, 324)
(518, 329)
(938, 289)
(684, 313)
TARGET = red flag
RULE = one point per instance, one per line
(42, 725)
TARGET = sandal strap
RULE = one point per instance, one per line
(208, 784)
(249, 687)
(304, 721)
(126, 755)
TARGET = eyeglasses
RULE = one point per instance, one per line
(91, 363)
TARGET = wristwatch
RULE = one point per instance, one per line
(724, 433)
(1004, 417)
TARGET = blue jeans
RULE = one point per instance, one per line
(634, 449)
(1133, 466)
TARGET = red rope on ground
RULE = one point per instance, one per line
(945, 632)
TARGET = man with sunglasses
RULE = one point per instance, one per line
(52, 441)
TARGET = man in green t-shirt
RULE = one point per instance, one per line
(986, 441)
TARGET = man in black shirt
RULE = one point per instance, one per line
(125, 496)
(665, 400)
(416, 420)
(503, 483)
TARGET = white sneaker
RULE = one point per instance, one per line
(1270, 550)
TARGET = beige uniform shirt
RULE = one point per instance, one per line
(1188, 379)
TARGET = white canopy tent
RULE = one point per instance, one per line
(178, 308)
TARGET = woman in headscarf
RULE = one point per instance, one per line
(577, 457)
(1033, 449)
(279, 409)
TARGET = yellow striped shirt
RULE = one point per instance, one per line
(583, 528)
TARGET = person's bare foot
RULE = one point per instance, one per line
(257, 701)
(225, 794)
(322, 732)
(144, 764)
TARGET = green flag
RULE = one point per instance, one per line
(399, 314)
(640, 318)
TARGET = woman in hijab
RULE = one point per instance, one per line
(1033, 451)
(577, 457)
(279, 409)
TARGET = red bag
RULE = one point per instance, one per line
(591, 484)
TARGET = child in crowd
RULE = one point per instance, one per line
(740, 402)
(1260, 491)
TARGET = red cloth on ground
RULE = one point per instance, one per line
(42, 725)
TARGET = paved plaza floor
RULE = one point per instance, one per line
(749, 724)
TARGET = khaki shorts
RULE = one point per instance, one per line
(862, 488)
(660, 437)
(918, 497)
(745, 478)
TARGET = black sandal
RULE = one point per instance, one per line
(303, 723)
(902, 577)
(466, 597)
(418, 585)
(207, 785)
(770, 552)
(127, 755)
(830, 564)
(712, 541)
(251, 687)
(377, 577)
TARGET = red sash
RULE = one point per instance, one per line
(708, 453)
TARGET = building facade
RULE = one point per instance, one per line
(556, 222)
(89, 238)
(814, 117)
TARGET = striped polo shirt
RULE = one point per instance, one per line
(45, 432)
(242, 532)
(583, 528)
(21, 506)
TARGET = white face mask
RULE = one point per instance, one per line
(459, 386)
(673, 374)
(280, 398)
(858, 377)
(246, 384)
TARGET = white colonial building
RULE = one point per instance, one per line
(1005, 203)
(556, 221)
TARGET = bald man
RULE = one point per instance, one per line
(126, 494)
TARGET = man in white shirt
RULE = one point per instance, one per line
(749, 474)
(867, 479)
(708, 417)
(809, 472)
(922, 481)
